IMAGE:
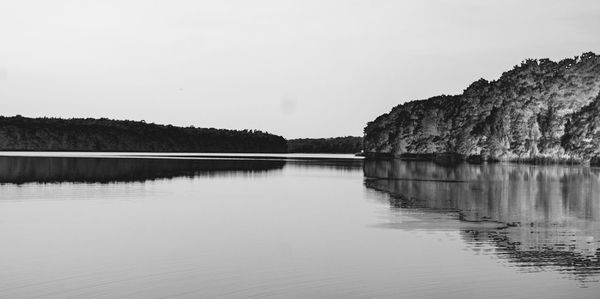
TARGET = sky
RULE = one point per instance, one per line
(294, 68)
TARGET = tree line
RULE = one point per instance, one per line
(20, 133)
(347, 145)
(88, 134)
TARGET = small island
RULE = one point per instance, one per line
(541, 111)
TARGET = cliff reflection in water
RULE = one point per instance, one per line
(20, 170)
(537, 217)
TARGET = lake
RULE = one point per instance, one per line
(139, 225)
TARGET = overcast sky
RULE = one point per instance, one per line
(295, 68)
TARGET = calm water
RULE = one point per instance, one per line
(299, 226)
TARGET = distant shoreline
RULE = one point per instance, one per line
(20, 133)
(181, 155)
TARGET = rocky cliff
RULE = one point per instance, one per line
(540, 110)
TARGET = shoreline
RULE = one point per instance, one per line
(455, 158)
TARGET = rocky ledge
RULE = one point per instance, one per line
(540, 111)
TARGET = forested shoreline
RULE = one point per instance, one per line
(540, 111)
(342, 145)
(19, 133)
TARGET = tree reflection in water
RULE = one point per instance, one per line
(534, 217)
(18, 170)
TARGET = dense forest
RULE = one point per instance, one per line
(348, 145)
(539, 111)
(77, 134)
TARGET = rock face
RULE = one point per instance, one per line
(539, 111)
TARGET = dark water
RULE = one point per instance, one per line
(195, 226)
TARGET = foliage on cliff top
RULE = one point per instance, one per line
(521, 115)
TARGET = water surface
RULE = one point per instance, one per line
(194, 225)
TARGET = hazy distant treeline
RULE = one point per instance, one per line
(348, 144)
(77, 134)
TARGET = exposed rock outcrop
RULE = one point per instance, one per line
(539, 111)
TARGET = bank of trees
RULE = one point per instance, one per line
(348, 144)
(77, 134)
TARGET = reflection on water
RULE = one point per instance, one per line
(103, 170)
(537, 217)
(332, 164)
(280, 227)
